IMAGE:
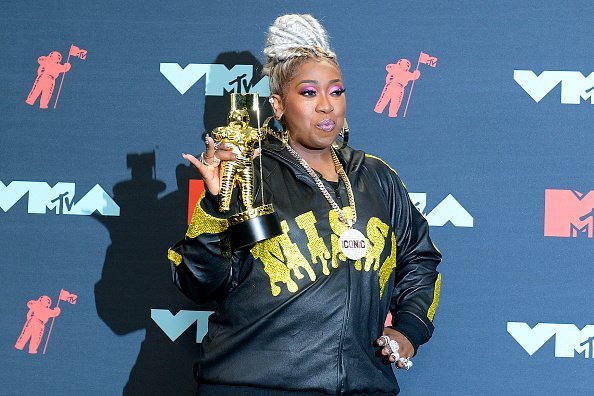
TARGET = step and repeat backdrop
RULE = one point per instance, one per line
(484, 108)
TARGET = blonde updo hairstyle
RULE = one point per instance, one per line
(292, 40)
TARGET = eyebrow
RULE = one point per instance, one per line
(317, 82)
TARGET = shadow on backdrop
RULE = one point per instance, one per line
(136, 275)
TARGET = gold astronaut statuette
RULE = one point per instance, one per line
(253, 224)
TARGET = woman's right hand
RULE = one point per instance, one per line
(210, 170)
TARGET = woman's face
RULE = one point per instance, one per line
(314, 105)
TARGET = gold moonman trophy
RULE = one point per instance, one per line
(253, 224)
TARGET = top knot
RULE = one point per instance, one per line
(294, 35)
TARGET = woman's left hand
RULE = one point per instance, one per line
(406, 349)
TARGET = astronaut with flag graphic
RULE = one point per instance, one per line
(38, 315)
(49, 69)
(399, 75)
(47, 73)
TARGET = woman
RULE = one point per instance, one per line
(305, 311)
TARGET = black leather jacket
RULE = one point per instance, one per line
(293, 313)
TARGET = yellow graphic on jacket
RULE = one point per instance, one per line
(338, 227)
(283, 260)
(280, 256)
(317, 248)
(204, 223)
(436, 293)
(387, 267)
(377, 231)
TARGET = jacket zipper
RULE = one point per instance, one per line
(340, 382)
(340, 370)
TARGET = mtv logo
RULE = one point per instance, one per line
(174, 325)
(574, 85)
(219, 79)
(568, 338)
(568, 213)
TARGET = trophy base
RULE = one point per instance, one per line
(252, 226)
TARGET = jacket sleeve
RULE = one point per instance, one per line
(417, 283)
(202, 263)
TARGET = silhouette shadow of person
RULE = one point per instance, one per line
(136, 275)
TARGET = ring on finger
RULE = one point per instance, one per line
(215, 162)
(406, 363)
(385, 339)
(394, 345)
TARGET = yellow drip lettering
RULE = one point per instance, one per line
(315, 244)
(280, 256)
(386, 269)
(338, 227)
(377, 231)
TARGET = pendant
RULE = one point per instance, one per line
(353, 244)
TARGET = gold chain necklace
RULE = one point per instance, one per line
(343, 177)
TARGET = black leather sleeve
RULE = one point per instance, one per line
(202, 265)
(417, 282)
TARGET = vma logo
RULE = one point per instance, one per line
(569, 213)
(219, 79)
(448, 210)
(174, 325)
(58, 199)
(574, 86)
(568, 338)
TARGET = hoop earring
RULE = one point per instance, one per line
(281, 135)
(344, 134)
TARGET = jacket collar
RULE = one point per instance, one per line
(351, 159)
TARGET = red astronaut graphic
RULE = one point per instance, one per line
(399, 75)
(39, 314)
(49, 69)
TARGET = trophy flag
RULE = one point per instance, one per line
(427, 59)
(67, 296)
(78, 52)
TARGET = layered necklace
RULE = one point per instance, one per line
(351, 242)
(342, 174)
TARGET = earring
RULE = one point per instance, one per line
(271, 101)
(344, 134)
(281, 135)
